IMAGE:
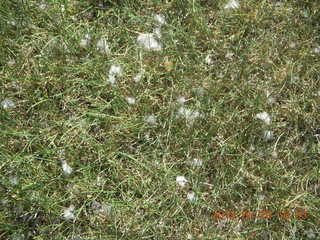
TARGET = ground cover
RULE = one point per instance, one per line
(159, 119)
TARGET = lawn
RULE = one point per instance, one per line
(157, 119)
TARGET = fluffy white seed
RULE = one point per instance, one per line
(196, 162)
(229, 55)
(151, 119)
(139, 76)
(11, 63)
(181, 100)
(131, 100)
(271, 100)
(232, 4)
(100, 181)
(68, 213)
(85, 41)
(268, 135)
(191, 196)
(115, 70)
(316, 49)
(102, 46)
(159, 18)
(147, 137)
(208, 60)
(42, 6)
(264, 116)
(13, 180)
(188, 114)
(181, 180)
(16, 86)
(149, 42)
(12, 22)
(7, 104)
(62, 152)
(157, 32)
(66, 168)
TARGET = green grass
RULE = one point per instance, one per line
(123, 184)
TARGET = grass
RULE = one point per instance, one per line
(123, 183)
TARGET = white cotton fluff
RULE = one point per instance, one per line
(268, 135)
(85, 41)
(191, 196)
(131, 100)
(100, 181)
(7, 104)
(139, 76)
(232, 4)
(102, 46)
(11, 63)
(13, 180)
(188, 114)
(157, 32)
(12, 22)
(181, 180)
(208, 60)
(316, 49)
(62, 152)
(181, 100)
(68, 213)
(66, 168)
(151, 119)
(264, 116)
(147, 137)
(16, 86)
(189, 236)
(196, 162)
(229, 55)
(149, 42)
(271, 100)
(42, 6)
(115, 70)
(159, 18)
